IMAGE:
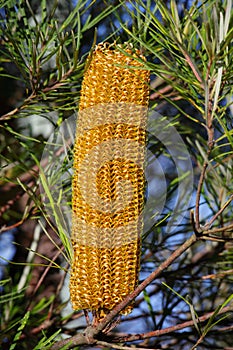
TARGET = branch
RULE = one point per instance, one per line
(211, 234)
(160, 332)
(192, 66)
(89, 336)
(210, 131)
(209, 224)
(53, 86)
(120, 347)
(218, 275)
(16, 110)
(218, 229)
(198, 196)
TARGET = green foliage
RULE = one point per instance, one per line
(23, 323)
(46, 53)
(190, 57)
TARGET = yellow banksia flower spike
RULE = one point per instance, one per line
(108, 180)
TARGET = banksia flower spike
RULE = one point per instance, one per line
(108, 180)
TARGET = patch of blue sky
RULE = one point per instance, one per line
(7, 249)
(2, 12)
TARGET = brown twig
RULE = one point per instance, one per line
(34, 171)
(209, 223)
(80, 339)
(210, 234)
(218, 229)
(164, 265)
(91, 332)
(10, 203)
(120, 347)
(40, 281)
(30, 175)
(161, 92)
(192, 66)
(198, 197)
(55, 85)
(44, 325)
(161, 332)
(210, 132)
(218, 275)
(16, 110)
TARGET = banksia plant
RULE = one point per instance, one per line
(108, 180)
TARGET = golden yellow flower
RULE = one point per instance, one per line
(108, 181)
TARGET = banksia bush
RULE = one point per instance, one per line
(108, 180)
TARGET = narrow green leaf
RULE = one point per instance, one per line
(19, 330)
(210, 324)
(150, 307)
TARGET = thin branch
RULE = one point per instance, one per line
(10, 203)
(16, 110)
(80, 339)
(91, 332)
(209, 224)
(218, 275)
(179, 251)
(219, 229)
(44, 325)
(40, 281)
(198, 197)
(120, 347)
(192, 66)
(210, 131)
(209, 234)
(161, 332)
(55, 85)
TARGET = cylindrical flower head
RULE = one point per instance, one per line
(108, 181)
